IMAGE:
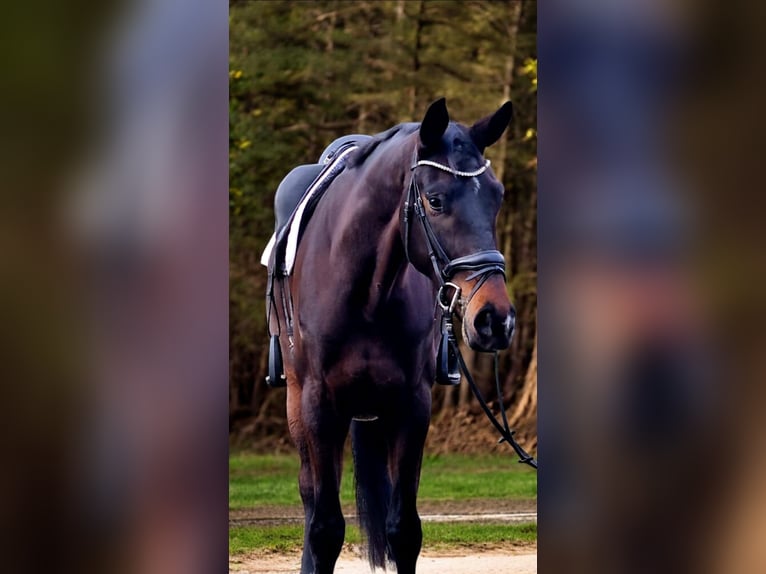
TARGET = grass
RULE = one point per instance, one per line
(257, 480)
(260, 480)
(441, 534)
(435, 535)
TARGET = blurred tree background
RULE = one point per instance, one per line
(302, 74)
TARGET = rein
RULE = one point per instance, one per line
(481, 265)
(506, 433)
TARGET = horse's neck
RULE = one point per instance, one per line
(380, 214)
(390, 263)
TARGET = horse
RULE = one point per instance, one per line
(409, 223)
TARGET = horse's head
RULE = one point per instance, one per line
(449, 228)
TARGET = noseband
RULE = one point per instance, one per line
(480, 265)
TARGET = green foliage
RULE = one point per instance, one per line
(304, 73)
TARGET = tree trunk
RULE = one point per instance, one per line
(419, 25)
(525, 410)
(502, 151)
(259, 385)
(510, 63)
(361, 120)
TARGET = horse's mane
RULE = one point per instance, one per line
(368, 148)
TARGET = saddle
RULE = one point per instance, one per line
(297, 197)
(294, 203)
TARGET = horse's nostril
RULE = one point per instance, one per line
(492, 330)
(483, 323)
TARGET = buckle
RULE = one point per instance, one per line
(448, 306)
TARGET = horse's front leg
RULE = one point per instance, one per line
(326, 432)
(408, 435)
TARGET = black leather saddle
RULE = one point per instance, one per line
(295, 185)
(297, 182)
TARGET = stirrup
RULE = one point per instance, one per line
(276, 378)
(447, 371)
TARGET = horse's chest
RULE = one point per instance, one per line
(367, 361)
(369, 381)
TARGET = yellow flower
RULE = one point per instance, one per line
(244, 144)
(530, 67)
(235, 74)
(529, 134)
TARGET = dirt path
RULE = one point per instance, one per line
(480, 510)
(487, 559)
(521, 561)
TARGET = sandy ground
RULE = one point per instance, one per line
(523, 561)
(489, 559)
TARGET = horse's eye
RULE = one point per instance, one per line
(435, 203)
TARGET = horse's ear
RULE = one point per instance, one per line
(434, 123)
(487, 131)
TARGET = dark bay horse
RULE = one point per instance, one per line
(415, 207)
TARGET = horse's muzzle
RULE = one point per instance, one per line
(490, 329)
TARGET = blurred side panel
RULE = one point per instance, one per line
(114, 283)
(651, 282)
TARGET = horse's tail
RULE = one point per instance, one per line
(373, 486)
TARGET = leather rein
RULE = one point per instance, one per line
(480, 265)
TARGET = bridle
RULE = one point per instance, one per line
(481, 265)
